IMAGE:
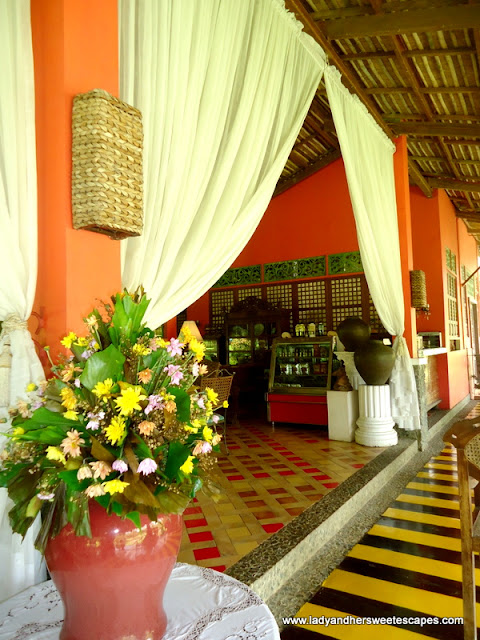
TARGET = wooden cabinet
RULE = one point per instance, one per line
(250, 329)
(300, 375)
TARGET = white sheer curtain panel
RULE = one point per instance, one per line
(21, 566)
(368, 157)
(224, 87)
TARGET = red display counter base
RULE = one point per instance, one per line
(297, 408)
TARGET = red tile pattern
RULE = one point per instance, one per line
(268, 478)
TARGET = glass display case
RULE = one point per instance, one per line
(301, 365)
(300, 375)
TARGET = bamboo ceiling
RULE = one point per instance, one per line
(415, 64)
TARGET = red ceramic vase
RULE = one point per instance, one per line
(112, 584)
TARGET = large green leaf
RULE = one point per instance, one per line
(44, 417)
(102, 365)
(182, 400)
(47, 435)
(177, 455)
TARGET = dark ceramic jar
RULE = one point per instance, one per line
(353, 332)
(374, 362)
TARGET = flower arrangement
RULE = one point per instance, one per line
(120, 422)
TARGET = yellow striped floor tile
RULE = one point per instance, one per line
(406, 568)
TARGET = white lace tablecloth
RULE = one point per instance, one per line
(200, 603)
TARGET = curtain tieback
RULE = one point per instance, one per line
(12, 322)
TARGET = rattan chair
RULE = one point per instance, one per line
(221, 383)
(465, 437)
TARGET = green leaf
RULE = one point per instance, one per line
(117, 508)
(177, 454)
(138, 492)
(182, 400)
(46, 435)
(102, 365)
(171, 502)
(134, 516)
(142, 450)
(43, 417)
(71, 480)
(78, 514)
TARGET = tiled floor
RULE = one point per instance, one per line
(408, 565)
(269, 477)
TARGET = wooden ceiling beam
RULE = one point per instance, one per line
(307, 171)
(443, 159)
(403, 22)
(418, 179)
(453, 185)
(409, 53)
(352, 81)
(393, 118)
(437, 129)
(386, 90)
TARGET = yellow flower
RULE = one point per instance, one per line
(69, 400)
(115, 486)
(116, 430)
(55, 453)
(82, 342)
(18, 432)
(69, 340)
(161, 343)
(198, 348)
(186, 335)
(31, 387)
(187, 466)
(71, 415)
(128, 401)
(103, 389)
(207, 434)
(141, 350)
(211, 395)
(190, 429)
(225, 404)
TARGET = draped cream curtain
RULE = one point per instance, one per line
(20, 565)
(368, 157)
(224, 87)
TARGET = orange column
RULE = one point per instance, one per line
(75, 48)
(400, 166)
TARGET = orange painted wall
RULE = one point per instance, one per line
(436, 228)
(75, 48)
(313, 218)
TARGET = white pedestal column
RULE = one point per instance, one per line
(342, 414)
(353, 376)
(375, 424)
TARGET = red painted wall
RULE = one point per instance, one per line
(313, 218)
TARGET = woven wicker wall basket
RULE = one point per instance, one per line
(107, 174)
(418, 289)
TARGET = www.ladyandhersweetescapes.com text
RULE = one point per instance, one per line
(326, 621)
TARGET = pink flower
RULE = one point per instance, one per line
(146, 428)
(201, 402)
(173, 370)
(45, 496)
(154, 402)
(175, 347)
(201, 447)
(215, 418)
(147, 466)
(101, 469)
(195, 369)
(94, 490)
(71, 444)
(120, 465)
